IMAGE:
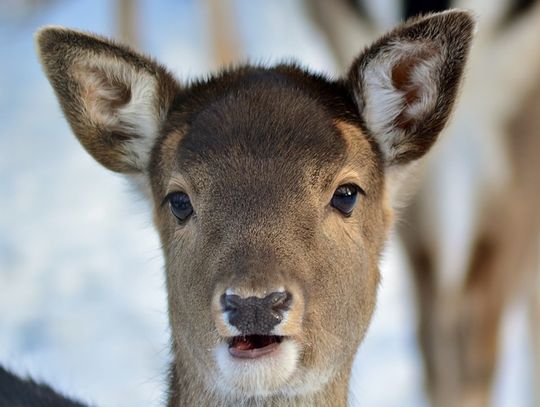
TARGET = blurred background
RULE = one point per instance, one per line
(82, 299)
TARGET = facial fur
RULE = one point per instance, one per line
(260, 173)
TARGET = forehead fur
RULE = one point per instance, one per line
(253, 118)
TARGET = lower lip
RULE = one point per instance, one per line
(254, 353)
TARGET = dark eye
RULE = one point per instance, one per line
(345, 197)
(180, 205)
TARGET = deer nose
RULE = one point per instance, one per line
(254, 315)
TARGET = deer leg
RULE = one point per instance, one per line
(534, 327)
(480, 313)
(434, 321)
(458, 329)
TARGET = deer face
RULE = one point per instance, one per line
(270, 189)
(279, 251)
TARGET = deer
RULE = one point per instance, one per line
(469, 272)
(273, 192)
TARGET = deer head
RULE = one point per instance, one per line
(270, 192)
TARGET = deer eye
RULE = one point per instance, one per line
(345, 198)
(180, 205)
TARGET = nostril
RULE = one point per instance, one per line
(280, 301)
(230, 302)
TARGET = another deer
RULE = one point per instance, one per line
(272, 192)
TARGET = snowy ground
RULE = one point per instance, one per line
(82, 302)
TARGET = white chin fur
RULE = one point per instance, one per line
(263, 376)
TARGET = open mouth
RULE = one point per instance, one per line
(254, 346)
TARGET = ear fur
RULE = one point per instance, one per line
(114, 98)
(405, 84)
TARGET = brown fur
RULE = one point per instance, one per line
(460, 335)
(498, 271)
(260, 152)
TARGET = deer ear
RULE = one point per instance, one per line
(114, 99)
(405, 84)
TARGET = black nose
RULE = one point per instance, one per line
(254, 315)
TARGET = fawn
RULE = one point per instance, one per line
(272, 192)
